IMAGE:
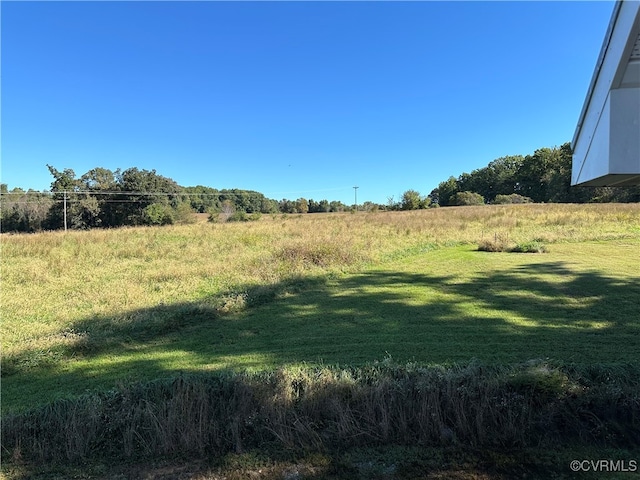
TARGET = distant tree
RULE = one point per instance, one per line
(248, 201)
(80, 208)
(503, 176)
(99, 179)
(445, 192)
(64, 181)
(22, 211)
(337, 206)
(323, 206)
(302, 206)
(141, 188)
(157, 214)
(468, 198)
(369, 206)
(203, 199)
(500, 177)
(286, 206)
(410, 200)
(104, 210)
(545, 176)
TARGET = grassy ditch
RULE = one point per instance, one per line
(323, 409)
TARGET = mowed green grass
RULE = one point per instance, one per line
(87, 310)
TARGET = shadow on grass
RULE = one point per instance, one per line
(533, 311)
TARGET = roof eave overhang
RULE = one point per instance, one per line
(606, 142)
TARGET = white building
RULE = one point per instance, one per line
(606, 143)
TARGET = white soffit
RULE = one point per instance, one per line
(606, 143)
(631, 77)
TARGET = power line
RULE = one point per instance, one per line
(176, 194)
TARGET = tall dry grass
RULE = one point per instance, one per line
(529, 405)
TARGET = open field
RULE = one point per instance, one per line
(87, 311)
(83, 310)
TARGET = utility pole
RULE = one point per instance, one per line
(355, 191)
(65, 210)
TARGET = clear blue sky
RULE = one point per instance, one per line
(292, 99)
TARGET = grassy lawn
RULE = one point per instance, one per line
(87, 310)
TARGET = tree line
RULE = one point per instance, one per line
(544, 176)
(102, 198)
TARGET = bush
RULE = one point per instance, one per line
(236, 216)
(511, 199)
(530, 247)
(241, 216)
(184, 214)
(158, 214)
(467, 198)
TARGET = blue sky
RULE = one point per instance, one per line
(292, 99)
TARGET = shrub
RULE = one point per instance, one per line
(158, 214)
(511, 199)
(530, 247)
(241, 216)
(184, 214)
(236, 216)
(467, 198)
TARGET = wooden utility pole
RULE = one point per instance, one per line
(65, 210)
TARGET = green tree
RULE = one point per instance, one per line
(411, 200)
(545, 176)
(102, 184)
(337, 206)
(468, 198)
(445, 192)
(64, 181)
(22, 211)
(203, 199)
(369, 206)
(80, 209)
(141, 188)
(302, 206)
(157, 214)
(286, 206)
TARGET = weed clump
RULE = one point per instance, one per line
(317, 254)
(530, 247)
(496, 245)
(502, 243)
